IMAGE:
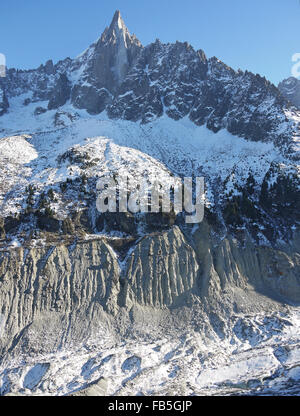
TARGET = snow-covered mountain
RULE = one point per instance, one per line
(161, 110)
(195, 115)
(137, 83)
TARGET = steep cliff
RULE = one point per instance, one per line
(163, 270)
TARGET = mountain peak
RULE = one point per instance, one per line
(118, 33)
(117, 21)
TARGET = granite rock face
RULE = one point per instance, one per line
(61, 93)
(181, 82)
(106, 64)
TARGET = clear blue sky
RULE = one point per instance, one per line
(258, 35)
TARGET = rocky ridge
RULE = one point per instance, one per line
(137, 83)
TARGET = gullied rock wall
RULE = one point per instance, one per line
(67, 290)
(56, 281)
(161, 269)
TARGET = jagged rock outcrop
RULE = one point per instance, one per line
(150, 84)
(290, 89)
(116, 48)
(49, 67)
(136, 83)
(61, 93)
(106, 64)
(183, 82)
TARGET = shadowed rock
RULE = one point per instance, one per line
(290, 89)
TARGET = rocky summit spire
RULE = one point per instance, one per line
(120, 47)
(105, 65)
(118, 30)
(117, 21)
(118, 33)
